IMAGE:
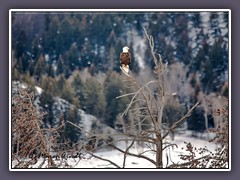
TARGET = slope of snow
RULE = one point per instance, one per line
(134, 162)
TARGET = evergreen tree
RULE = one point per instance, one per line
(60, 65)
(15, 74)
(172, 112)
(19, 44)
(46, 102)
(215, 68)
(114, 87)
(77, 85)
(93, 102)
(31, 68)
(70, 132)
(72, 57)
(60, 84)
(48, 84)
(181, 37)
(40, 67)
(50, 71)
(68, 32)
(19, 65)
(36, 47)
(26, 78)
(50, 38)
(68, 93)
(197, 122)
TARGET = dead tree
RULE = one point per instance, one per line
(152, 97)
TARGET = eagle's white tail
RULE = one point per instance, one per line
(125, 68)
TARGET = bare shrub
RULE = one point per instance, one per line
(28, 140)
(220, 158)
(32, 145)
(205, 158)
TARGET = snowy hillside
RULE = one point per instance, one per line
(60, 107)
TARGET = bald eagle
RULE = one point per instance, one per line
(125, 59)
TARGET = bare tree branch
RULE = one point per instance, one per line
(181, 120)
(132, 154)
(182, 165)
(103, 159)
(125, 154)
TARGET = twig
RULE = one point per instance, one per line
(125, 95)
(188, 163)
(103, 159)
(151, 150)
(132, 154)
(125, 154)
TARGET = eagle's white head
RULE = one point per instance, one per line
(126, 49)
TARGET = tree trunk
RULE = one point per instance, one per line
(159, 151)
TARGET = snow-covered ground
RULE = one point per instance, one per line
(134, 162)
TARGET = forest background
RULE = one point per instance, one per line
(74, 57)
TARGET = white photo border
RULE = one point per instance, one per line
(114, 10)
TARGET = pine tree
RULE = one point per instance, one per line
(65, 90)
(19, 65)
(46, 102)
(60, 84)
(31, 68)
(51, 35)
(48, 84)
(36, 46)
(77, 85)
(172, 112)
(19, 44)
(197, 122)
(40, 67)
(60, 65)
(72, 57)
(15, 74)
(70, 132)
(114, 87)
(67, 93)
(181, 37)
(93, 101)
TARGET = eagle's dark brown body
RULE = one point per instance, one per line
(125, 59)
